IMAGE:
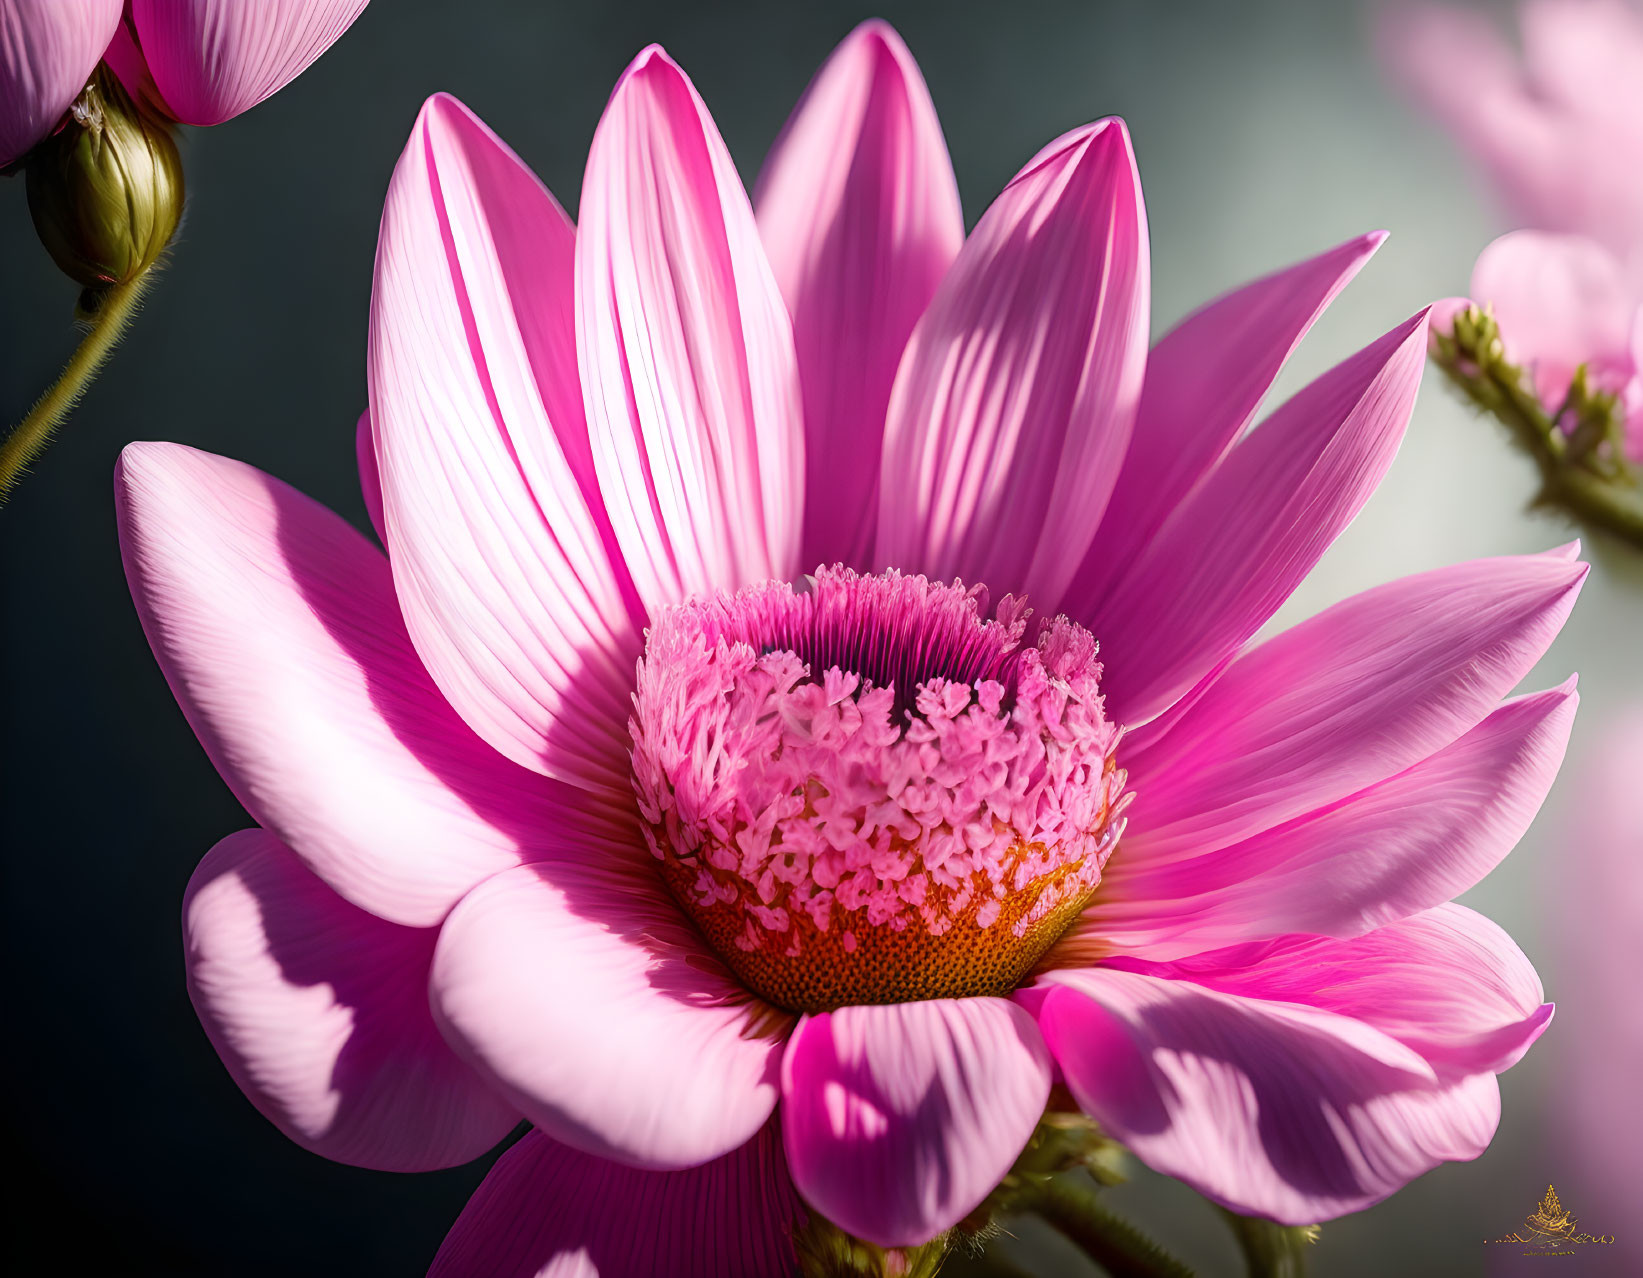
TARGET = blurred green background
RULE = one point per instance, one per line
(1264, 132)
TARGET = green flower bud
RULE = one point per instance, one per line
(106, 190)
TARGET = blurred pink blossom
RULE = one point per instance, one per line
(1559, 128)
(1599, 888)
(1563, 301)
(1559, 131)
(759, 885)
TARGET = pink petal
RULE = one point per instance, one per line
(1446, 982)
(1235, 547)
(276, 625)
(547, 1211)
(1270, 1109)
(320, 1012)
(685, 348)
(370, 479)
(48, 50)
(900, 1118)
(505, 563)
(1460, 65)
(213, 59)
(1204, 380)
(859, 213)
(1403, 845)
(580, 990)
(1546, 132)
(1562, 301)
(1347, 698)
(1586, 55)
(1013, 406)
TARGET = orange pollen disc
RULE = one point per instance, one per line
(922, 822)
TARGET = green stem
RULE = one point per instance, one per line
(1597, 485)
(1271, 1251)
(1111, 1241)
(994, 1264)
(108, 326)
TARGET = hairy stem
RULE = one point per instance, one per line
(108, 325)
(1271, 1251)
(1073, 1210)
(1586, 471)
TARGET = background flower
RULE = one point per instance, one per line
(1600, 937)
(1558, 129)
(1559, 132)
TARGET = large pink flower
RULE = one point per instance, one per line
(586, 804)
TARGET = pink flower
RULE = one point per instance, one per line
(1560, 134)
(48, 50)
(1559, 131)
(206, 61)
(748, 896)
(1562, 301)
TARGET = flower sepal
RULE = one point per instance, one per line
(106, 190)
(826, 1251)
(1271, 1250)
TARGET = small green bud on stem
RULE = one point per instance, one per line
(1578, 445)
(106, 190)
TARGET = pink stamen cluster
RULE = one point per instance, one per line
(873, 753)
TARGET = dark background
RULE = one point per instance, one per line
(1264, 134)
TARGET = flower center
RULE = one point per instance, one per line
(871, 792)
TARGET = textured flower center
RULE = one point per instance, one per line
(870, 792)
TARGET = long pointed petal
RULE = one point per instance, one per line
(900, 1118)
(1446, 982)
(859, 212)
(1403, 845)
(370, 478)
(1205, 379)
(548, 1211)
(685, 348)
(582, 993)
(1347, 698)
(1013, 406)
(1270, 1109)
(276, 625)
(1234, 549)
(213, 59)
(320, 1012)
(505, 563)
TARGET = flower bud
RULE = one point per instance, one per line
(106, 190)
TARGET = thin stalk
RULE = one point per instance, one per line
(1587, 473)
(1271, 1251)
(33, 433)
(1112, 1242)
